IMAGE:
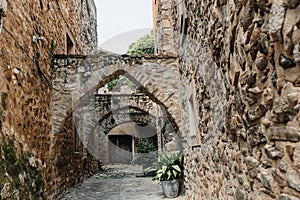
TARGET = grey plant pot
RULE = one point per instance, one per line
(170, 188)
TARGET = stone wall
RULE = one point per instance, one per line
(163, 28)
(73, 163)
(25, 83)
(239, 64)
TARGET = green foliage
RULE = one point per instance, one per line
(112, 84)
(144, 45)
(168, 167)
(12, 166)
(147, 152)
(145, 146)
(117, 83)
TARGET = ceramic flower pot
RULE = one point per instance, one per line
(170, 188)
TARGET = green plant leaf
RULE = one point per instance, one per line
(164, 169)
(176, 167)
(149, 169)
(169, 166)
(175, 173)
(169, 174)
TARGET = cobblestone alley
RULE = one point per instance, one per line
(117, 182)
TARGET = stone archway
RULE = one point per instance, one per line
(77, 78)
(111, 119)
(127, 134)
(94, 123)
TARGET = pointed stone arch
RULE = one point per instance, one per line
(77, 78)
(142, 117)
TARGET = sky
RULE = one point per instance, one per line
(122, 22)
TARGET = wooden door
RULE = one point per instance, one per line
(120, 149)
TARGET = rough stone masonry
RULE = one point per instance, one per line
(27, 155)
(240, 68)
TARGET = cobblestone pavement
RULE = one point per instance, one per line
(118, 182)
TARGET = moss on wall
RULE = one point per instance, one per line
(18, 178)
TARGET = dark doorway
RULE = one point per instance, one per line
(120, 149)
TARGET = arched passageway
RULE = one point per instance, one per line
(77, 79)
(79, 126)
(124, 143)
(111, 110)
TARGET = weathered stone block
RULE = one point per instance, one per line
(276, 20)
(265, 179)
(283, 133)
(291, 3)
(293, 98)
(256, 135)
(262, 63)
(285, 62)
(240, 194)
(293, 180)
(273, 152)
(296, 155)
(251, 162)
(287, 197)
(296, 53)
(282, 166)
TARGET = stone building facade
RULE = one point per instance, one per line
(240, 72)
(31, 32)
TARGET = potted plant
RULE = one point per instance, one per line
(168, 170)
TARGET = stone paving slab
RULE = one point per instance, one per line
(117, 183)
